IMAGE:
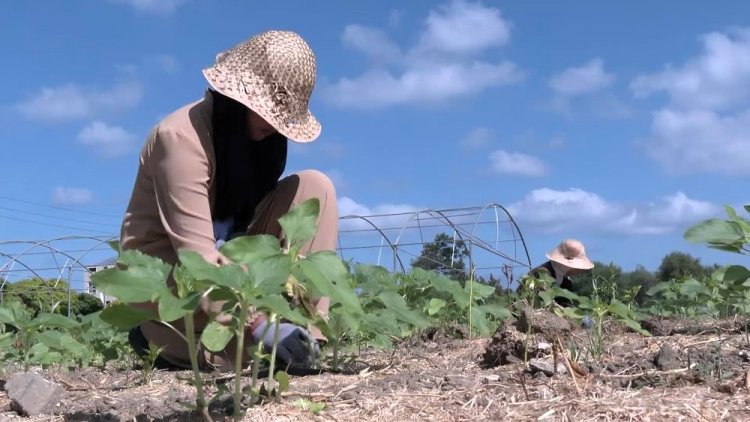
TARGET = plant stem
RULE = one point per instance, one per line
(201, 401)
(238, 361)
(256, 366)
(272, 363)
(471, 297)
(336, 356)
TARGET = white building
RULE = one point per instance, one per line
(89, 288)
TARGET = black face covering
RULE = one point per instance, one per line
(246, 170)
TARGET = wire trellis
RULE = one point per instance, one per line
(492, 238)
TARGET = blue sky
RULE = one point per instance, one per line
(616, 123)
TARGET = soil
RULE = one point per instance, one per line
(443, 375)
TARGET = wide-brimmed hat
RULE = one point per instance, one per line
(272, 73)
(572, 254)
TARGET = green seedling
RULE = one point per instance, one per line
(264, 277)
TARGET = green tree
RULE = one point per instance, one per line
(639, 277)
(41, 295)
(444, 257)
(583, 283)
(87, 304)
(677, 265)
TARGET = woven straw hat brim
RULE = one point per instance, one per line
(579, 263)
(302, 130)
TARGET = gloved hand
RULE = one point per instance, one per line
(587, 322)
(296, 347)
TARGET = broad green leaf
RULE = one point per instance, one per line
(171, 308)
(134, 284)
(216, 336)
(692, 288)
(269, 275)
(248, 249)
(124, 316)
(567, 294)
(56, 321)
(278, 305)
(573, 313)
(7, 316)
(736, 274)
(283, 380)
(496, 310)
(731, 213)
(435, 306)
(479, 290)
(479, 321)
(397, 304)
(620, 309)
(547, 297)
(444, 284)
(300, 223)
(327, 276)
(135, 258)
(634, 325)
(658, 288)
(63, 342)
(373, 279)
(715, 231)
(202, 271)
(221, 294)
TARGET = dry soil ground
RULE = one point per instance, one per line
(705, 377)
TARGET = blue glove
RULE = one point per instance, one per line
(296, 346)
(587, 322)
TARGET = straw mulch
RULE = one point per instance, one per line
(445, 379)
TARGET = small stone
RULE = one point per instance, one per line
(745, 355)
(543, 322)
(666, 359)
(31, 394)
(537, 365)
(544, 346)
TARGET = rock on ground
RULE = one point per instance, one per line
(31, 394)
(543, 322)
(666, 359)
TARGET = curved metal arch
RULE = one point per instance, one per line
(431, 212)
(53, 250)
(374, 226)
(497, 223)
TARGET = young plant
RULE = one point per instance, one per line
(599, 310)
(264, 277)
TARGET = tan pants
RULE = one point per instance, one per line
(290, 191)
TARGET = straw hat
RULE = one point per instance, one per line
(273, 74)
(572, 254)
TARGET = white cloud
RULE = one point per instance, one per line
(464, 27)
(550, 211)
(394, 17)
(71, 196)
(701, 141)
(429, 83)
(716, 79)
(371, 41)
(441, 66)
(705, 125)
(478, 138)
(586, 79)
(383, 215)
(159, 7)
(108, 141)
(505, 162)
(71, 101)
(167, 63)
